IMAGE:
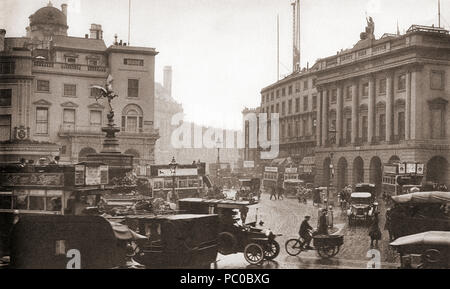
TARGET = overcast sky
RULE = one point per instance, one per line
(223, 52)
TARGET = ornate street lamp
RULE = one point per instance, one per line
(173, 170)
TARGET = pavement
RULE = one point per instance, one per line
(285, 216)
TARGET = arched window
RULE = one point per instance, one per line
(132, 119)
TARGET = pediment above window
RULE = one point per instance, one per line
(69, 104)
(437, 103)
(42, 102)
(96, 106)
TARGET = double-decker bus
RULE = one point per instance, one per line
(271, 177)
(399, 178)
(190, 180)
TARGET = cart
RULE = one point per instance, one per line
(256, 243)
(327, 246)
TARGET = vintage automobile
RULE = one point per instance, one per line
(290, 186)
(52, 241)
(175, 241)
(427, 250)
(361, 208)
(419, 212)
(249, 189)
(365, 188)
(255, 242)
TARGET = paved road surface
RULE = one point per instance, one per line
(284, 217)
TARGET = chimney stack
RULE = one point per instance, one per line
(64, 9)
(2, 39)
(168, 79)
(96, 31)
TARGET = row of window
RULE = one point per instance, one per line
(131, 122)
(291, 106)
(95, 62)
(437, 81)
(290, 89)
(298, 128)
(71, 89)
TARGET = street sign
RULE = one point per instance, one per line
(290, 170)
(178, 172)
(249, 164)
(271, 169)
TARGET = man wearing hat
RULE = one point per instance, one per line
(305, 233)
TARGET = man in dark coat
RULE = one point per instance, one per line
(323, 226)
(273, 193)
(305, 233)
(374, 231)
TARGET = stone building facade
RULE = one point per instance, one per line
(47, 98)
(382, 101)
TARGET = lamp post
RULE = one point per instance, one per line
(173, 169)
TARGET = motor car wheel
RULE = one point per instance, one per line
(293, 247)
(271, 250)
(432, 256)
(227, 243)
(253, 253)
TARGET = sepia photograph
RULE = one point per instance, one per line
(224, 134)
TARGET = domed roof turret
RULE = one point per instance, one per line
(48, 15)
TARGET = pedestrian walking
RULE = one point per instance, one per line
(273, 193)
(280, 193)
(374, 231)
(388, 225)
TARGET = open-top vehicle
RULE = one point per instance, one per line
(255, 242)
(427, 250)
(249, 189)
(419, 212)
(362, 207)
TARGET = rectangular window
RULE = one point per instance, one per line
(297, 86)
(70, 90)
(401, 125)
(314, 101)
(382, 127)
(272, 110)
(95, 92)
(314, 82)
(333, 95)
(304, 127)
(71, 60)
(348, 130)
(5, 127)
(95, 117)
(365, 89)
(271, 96)
(278, 108)
(365, 129)
(5, 97)
(305, 85)
(283, 91)
(437, 80)
(401, 85)
(133, 62)
(297, 105)
(7, 67)
(92, 62)
(133, 87)
(290, 90)
(437, 124)
(283, 108)
(43, 85)
(382, 86)
(305, 103)
(349, 92)
(42, 120)
(69, 118)
(290, 106)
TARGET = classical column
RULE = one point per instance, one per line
(355, 118)
(389, 105)
(371, 108)
(325, 117)
(408, 106)
(319, 119)
(413, 121)
(339, 113)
